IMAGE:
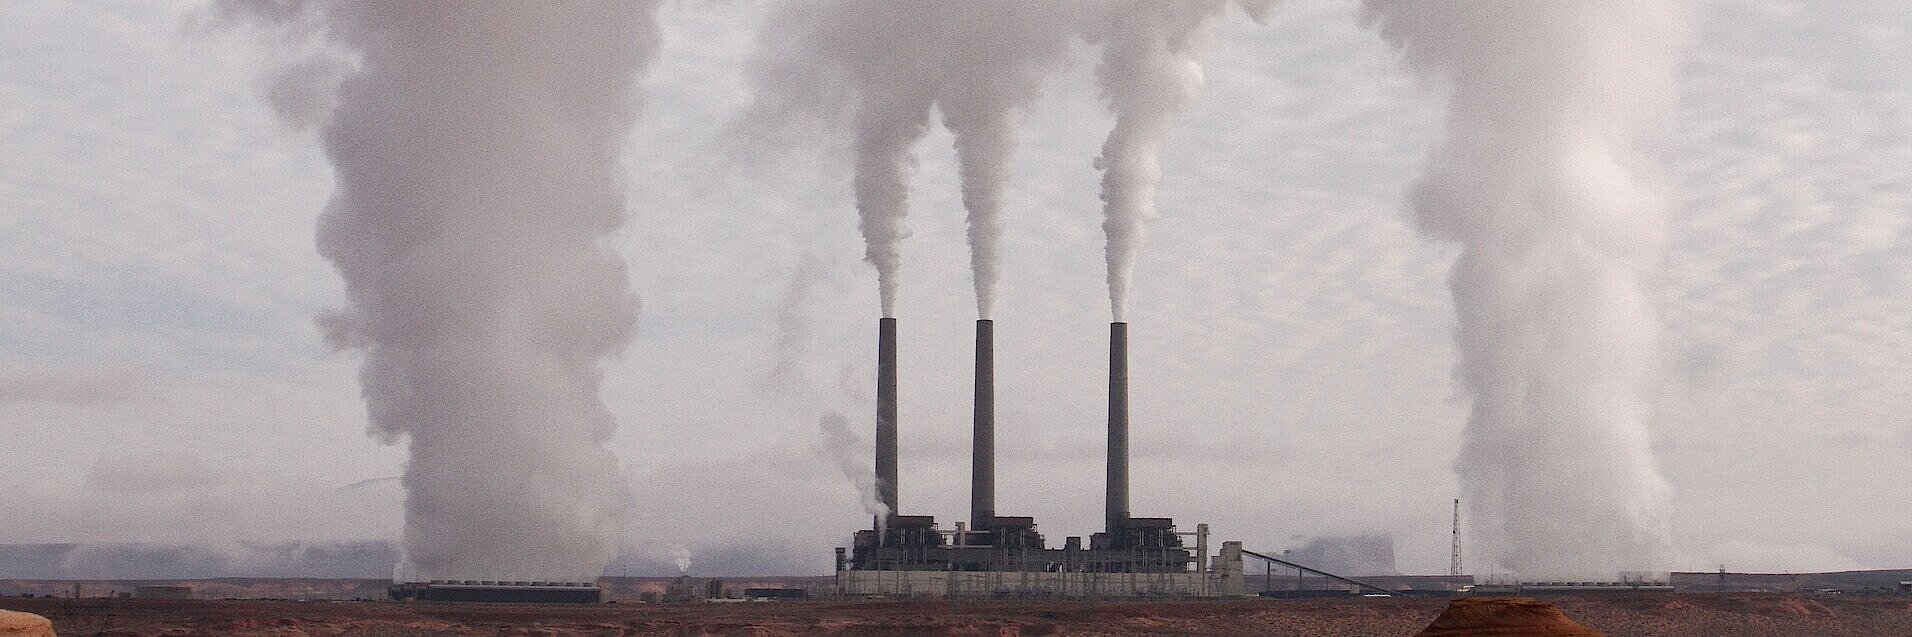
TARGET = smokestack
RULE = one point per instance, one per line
(1118, 493)
(886, 416)
(982, 474)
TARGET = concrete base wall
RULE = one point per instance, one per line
(939, 584)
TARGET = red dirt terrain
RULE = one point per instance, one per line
(18, 624)
(1504, 617)
(1617, 615)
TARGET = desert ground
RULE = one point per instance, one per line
(1617, 615)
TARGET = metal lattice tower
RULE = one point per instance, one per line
(1454, 563)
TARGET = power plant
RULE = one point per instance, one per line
(996, 555)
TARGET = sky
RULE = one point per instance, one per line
(1291, 337)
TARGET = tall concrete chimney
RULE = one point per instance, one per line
(886, 415)
(982, 471)
(1118, 488)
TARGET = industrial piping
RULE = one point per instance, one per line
(1118, 463)
(982, 474)
(886, 417)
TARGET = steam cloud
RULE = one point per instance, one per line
(997, 55)
(845, 450)
(680, 556)
(1539, 182)
(1149, 71)
(476, 151)
(977, 62)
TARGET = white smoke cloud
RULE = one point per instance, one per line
(789, 376)
(1149, 72)
(998, 54)
(1539, 181)
(680, 557)
(847, 451)
(977, 62)
(476, 152)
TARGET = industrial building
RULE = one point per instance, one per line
(1629, 581)
(498, 591)
(162, 591)
(1006, 556)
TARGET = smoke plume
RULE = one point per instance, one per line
(1539, 182)
(845, 449)
(977, 62)
(1149, 72)
(476, 150)
(788, 376)
(997, 55)
(680, 557)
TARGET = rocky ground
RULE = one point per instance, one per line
(1618, 615)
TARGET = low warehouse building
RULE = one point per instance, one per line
(499, 591)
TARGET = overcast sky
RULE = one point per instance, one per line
(161, 378)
